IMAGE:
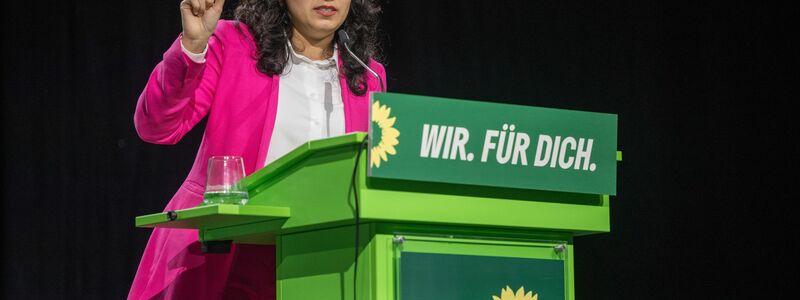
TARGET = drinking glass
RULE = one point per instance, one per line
(224, 181)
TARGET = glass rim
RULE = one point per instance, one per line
(226, 157)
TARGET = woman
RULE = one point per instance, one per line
(268, 81)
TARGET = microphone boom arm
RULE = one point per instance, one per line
(345, 39)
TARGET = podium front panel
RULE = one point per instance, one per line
(479, 269)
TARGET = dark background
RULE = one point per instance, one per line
(701, 90)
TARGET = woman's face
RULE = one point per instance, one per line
(318, 19)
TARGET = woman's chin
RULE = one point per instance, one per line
(325, 26)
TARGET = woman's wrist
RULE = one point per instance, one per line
(196, 46)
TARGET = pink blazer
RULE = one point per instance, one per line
(240, 103)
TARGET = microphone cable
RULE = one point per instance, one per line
(344, 38)
(357, 214)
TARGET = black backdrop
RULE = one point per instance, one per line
(697, 87)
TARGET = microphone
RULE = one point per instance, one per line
(328, 108)
(345, 39)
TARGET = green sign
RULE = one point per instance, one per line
(467, 277)
(469, 142)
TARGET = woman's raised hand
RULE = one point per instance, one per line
(199, 19)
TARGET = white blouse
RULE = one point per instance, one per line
(309, 102)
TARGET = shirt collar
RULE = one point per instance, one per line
(298, 58)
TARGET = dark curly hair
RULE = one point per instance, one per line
(269, 23)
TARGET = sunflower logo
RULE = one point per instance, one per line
(388, 134)
(508, 294)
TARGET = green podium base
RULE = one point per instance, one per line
(402, 261)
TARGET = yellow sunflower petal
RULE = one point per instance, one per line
(375, 111)
(375, 161)
(375, 106)
(520, 293)
(388, 111)
(382, 153)
(389, 141)
(388, 122)
(379, 112)
(390, 150)
(508, 293)
(389, 132)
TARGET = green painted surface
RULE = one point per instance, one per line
(501, 144)
(492, 264)
(263, 232)
(214, 215)
(399, 206)
(274, 169)
(319, 264)
(317, 188)
(314, 181)
(519, 244)
(455, 277)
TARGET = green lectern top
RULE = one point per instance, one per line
(311, 186)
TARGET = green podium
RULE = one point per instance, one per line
(386, 220)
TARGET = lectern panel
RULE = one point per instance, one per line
(479, 269)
